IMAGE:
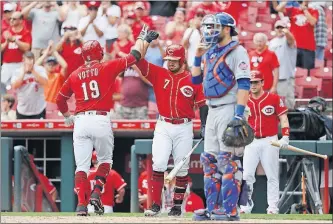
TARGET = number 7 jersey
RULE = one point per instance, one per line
(93, 84)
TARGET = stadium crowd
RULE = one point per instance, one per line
(287, 41)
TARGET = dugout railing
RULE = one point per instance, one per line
(144, 146)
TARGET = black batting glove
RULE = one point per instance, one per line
(151, 35)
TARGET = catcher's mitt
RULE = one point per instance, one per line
(237, 134)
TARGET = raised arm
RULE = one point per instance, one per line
(27, 9)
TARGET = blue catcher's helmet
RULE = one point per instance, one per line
(212, 24)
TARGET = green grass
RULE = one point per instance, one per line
(187, 215)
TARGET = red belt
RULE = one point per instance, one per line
(175, 120)
(104, 113)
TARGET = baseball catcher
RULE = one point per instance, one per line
(226, 81)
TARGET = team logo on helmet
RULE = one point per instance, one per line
(187, 91)
(170, 51)
(268, 110)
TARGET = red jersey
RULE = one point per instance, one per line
(176, 95)
(72, 55)
(301, 28)
(265, 62)
(114, 182)
(12, 54)
(137, 25)
(143, 186)
(92, 85)
(194, 202)
(123, 48)
(208, 9)
(264, 114)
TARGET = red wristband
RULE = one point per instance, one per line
(285, 131)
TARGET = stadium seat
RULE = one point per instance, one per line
(301, 72)
(259, 27)
(311, 86)
(51, 106)
(249, 45)
(326, 75)
(298, 92)
(245, 36)
(258, 4)
(319, 63)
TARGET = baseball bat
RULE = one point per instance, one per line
(295, 149)
(179, 165)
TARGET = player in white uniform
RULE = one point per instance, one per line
(226, 80)
(265, 112)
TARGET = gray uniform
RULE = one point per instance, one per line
(218, 118)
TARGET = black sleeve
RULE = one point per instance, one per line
(203, 114)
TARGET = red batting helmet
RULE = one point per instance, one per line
(92, 50)
(175, 52)
(256, 76)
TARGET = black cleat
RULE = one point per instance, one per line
(154, 210)
(175, 211)
(82, 210)
(95, 200)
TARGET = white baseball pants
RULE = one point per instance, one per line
(175, 139)
(261, 150)
(92, 131)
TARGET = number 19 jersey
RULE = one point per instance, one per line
(92, 84)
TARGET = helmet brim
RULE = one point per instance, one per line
(171, 58)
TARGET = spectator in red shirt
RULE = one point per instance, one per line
(140, 19)
(70, 48)
(15, 41)
(207, 7)
(175, 29)
(303, 21)
(265, 61)
(121, 47)
(8, 10)
(114, 182)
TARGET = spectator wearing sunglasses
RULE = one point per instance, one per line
(69, 47)
(92, 26)
(284, 46)
(14, 42)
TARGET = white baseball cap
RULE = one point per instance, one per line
(8, 7)
(114, 10)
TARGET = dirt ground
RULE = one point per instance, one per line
(108, 219)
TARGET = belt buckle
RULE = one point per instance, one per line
(90, 112)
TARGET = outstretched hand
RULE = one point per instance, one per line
(152, 35)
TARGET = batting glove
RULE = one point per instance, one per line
(143, 33)
(284, 142)
(152, 35)
(69, 121)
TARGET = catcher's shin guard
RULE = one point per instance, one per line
(212, 181)
(231, 182)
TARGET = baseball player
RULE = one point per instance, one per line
(226, 82)
(92, 85)
(265, 112)
(114, 182)
(176, 98)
